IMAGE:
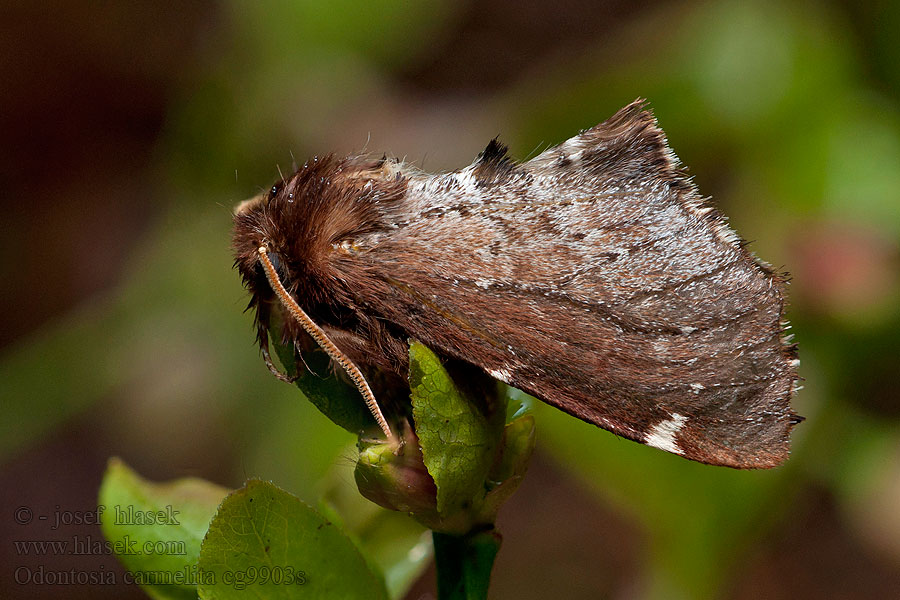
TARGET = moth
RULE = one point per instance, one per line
(593, 276)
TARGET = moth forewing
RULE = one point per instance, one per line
(592, 276)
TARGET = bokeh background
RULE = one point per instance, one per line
(129, 130)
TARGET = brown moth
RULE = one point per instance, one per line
(592, 276)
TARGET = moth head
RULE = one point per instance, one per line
(254, 228)
(288, 244)
(308, 220)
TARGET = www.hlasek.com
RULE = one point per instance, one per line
(189, 575)
(85, 545)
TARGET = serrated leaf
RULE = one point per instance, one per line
(266, 543)
(458, 439)
(162, 555)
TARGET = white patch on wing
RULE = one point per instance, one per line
(662, 435)
(502, 374)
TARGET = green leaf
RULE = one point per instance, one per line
(156, 528)
(458, 437)
(512, 463)
(338, 400)
(266, 543)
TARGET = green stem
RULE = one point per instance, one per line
(464, 564)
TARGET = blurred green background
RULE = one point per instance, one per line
(130, 130)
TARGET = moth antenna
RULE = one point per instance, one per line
(322, 340)
(281, 376)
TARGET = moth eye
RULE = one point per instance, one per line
(279, 266)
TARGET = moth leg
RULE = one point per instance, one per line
(303, 360)
(281, 376)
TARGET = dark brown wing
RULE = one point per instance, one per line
(594, 278)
